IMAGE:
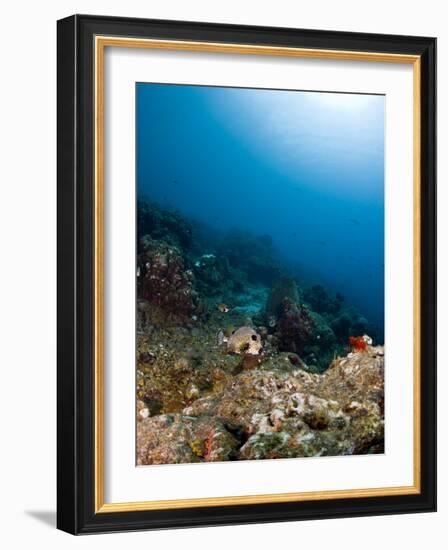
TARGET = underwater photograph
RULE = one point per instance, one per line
(259, 274)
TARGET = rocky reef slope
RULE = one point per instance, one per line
(276, 410)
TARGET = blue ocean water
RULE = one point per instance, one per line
(306, 168)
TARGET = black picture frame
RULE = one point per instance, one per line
(76, 512)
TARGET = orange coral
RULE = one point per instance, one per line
(358, 343)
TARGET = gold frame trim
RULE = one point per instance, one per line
(101, 42)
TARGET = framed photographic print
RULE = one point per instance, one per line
(246, 274)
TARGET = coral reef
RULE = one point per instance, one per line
(252, 254)
(211, 273)
(295, 327)
(286, 287)
(237, 361)
(321, 302)
(164, 282)
(161, 224)
(350, 323)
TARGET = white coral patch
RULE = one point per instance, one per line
(143, 413)
(305, 438)
(260, 423)
(296, 404)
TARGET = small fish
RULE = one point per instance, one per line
(138, 271)
(354, 221)
(223, 308)
(322, 243)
